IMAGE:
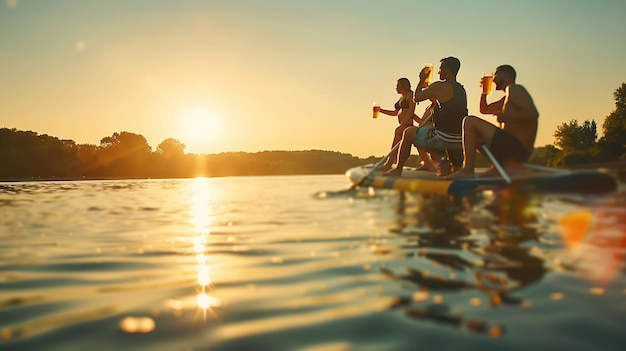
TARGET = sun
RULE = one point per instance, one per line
(200, 128)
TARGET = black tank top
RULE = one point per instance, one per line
(448, 116)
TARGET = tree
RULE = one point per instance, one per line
(573, 137)
(613, 143)
(547, 155)
(126, 141)
(171, 147)
(125, 154)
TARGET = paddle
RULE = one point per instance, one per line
(527, 165)
(394, 148)
(496, 164)
(545, 169)
(376, 166)
(382, 160)
(325, 194)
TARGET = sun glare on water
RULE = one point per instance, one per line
(201, 128)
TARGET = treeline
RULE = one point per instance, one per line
(28, 155)
(578, 144)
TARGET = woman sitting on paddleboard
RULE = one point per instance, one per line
(405, 110)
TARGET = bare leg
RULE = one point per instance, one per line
(441, 162)
(426, 163)
(476, 132)
(408, 139)
(394, 155)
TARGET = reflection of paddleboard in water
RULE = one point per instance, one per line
(544, 180)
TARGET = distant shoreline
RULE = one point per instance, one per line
(74, 179)
(63, 179)
(31, 157)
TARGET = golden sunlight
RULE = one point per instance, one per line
(200, 128)
(202, 217)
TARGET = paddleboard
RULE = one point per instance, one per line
(544, 181)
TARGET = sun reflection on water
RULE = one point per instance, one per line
(202, 218)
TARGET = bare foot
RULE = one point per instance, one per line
(464, 173)
(394, 172)
(384, 168)
(425, 167)
(444, 169)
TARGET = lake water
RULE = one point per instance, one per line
(259, 263)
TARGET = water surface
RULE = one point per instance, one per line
(260, 263)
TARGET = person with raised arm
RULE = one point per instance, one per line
(512, 144)
(442, 139)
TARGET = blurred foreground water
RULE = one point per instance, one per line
(260, 263)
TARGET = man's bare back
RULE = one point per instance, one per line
(519, 115)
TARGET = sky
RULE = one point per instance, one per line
(243, 75)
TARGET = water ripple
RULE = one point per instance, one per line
(257, 263)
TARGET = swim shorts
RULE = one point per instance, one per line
(507, 148)
(427, 139)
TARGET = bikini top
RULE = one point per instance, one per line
(402, 103)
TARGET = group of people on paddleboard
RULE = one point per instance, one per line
(446, 138)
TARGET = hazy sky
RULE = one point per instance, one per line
(237, 75)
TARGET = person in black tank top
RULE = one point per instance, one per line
(448, 118)
(443, 136)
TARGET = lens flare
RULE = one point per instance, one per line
(597, 239)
